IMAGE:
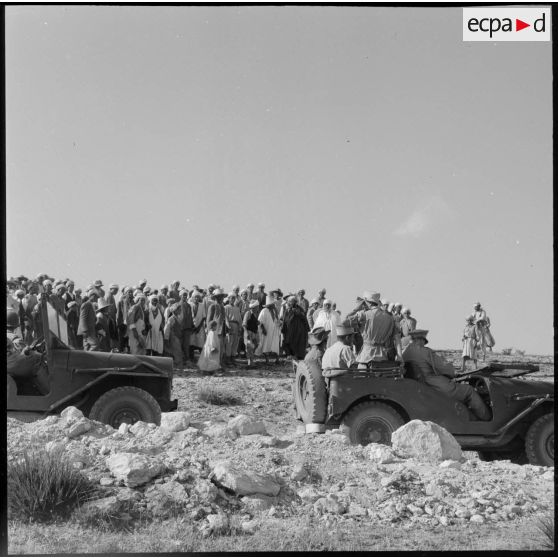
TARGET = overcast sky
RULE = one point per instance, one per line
(348, 148)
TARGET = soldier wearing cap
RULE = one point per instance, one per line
(378, 330)
(340, 355)
(103, 326)
(424, 365)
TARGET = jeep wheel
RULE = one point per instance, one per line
(126, 404)
(539, 442)
(372, 422)
(310, 394)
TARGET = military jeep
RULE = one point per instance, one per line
(371, 404)
(109, 387)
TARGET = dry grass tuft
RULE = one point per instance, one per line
(215, 396)
(546, 527)
(43, 487)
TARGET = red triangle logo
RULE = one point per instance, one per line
(519, 25)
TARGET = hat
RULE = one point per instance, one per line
(102, 303)
(391, 306)
(315, 340)
(126, 290)
(384, 302)
(59, 286)
(175, 282)
(269, 300)
(143, 281)
(301, 291)
(477, 304)
(322, 291)
(164, 287)
(371, 297)
(219, 292)
(47, 282)
(98, 283)
(183, 292)
(406, 311)
(244, 291)
(314, 301)
(419, 334)
(113, 286)
(470, 318)
(328, 301)
(20, 292)
(92, 292)
(253, 303)
(396, 304)
(319, 333)
(236, 287)
(69, 282)
(212, 286)
(261, 284)
(146, 290)
(195, 293)
(250, 286)
(344, 330)
(154, 297)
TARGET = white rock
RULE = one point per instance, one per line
(548, 475)
(79, 427)
(299, 473)
(242, 482)
(426, 441)
(380, 453)
(140, 428)
(217, 523)
(477, 518)
(175, 421)
(71, 415)
(450, 464)
(133, 468)
(244, 425)
(124, 428)
(106, 481)
(258, 503)
(309, 494)
(329, 504)
(249, 527)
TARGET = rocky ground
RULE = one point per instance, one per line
(230, 469)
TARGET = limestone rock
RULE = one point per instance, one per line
(71, 415)
(309, 494)
(244, 483)
(329, 504)
(450, 464)
(124, 428)
(165, 499)
(380, 453)
(55, 446)
(477, 518)
(244, 425)
(140, 428)
(426, 441)
(258, 503)
(299, 473)
(175, 421)
(79, 427)
(249, 527)
(206, 490)
(217, 524)
(133, 468)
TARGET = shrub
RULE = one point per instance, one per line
(519, 352)
(546, 527)
(507, 351)
(214, 396)
(42, 486)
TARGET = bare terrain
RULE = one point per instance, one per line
(318, 493)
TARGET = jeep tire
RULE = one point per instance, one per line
(539, 441)
(372, 422)
(126, 404)
(310, 394)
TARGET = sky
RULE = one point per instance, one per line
(350, 148)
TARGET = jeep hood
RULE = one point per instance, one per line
(524, 387)
(94, 360)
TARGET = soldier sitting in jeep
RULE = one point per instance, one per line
(424, 365)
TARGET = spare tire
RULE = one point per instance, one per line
(310, 393)
(539, 442)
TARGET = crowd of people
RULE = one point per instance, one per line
(180, 322)
(210, 324)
